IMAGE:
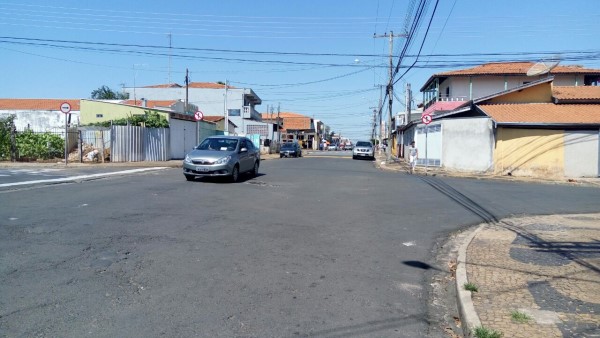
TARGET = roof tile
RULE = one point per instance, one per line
(37, 104)
(516, 68)
(576, 92)
(150, 103)
(544, 113)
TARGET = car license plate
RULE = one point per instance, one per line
(201, 169)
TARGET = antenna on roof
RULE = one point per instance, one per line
(543, 67)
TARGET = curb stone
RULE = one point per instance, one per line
(466, 308)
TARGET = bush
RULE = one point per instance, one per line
(39, 145)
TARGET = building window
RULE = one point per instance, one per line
(233, 112)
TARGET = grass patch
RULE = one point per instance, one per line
(471, 287)
(484, 332)
(519, 317)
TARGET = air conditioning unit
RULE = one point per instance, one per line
(401, 119)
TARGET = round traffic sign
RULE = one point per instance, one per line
(426, 118)
(65, 107)
(198, 115)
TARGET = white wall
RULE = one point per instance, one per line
(468, 144)
(488, 85)
(581, 153)
(184, 137)
(40, 120)
(209, 101)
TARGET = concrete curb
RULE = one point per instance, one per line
(466, 309)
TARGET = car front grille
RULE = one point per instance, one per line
(205, 162)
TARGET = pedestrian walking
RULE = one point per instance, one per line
(413, 155)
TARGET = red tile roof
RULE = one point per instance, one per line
(150, 103)
(516, 68)
(290, 120)
(167, 85)
(208, 85)
(205, 85)
(544, 113)
(37, 104)
(213, 118)
(565, 93)
(444, 106)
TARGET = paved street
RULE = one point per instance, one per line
(326, 247)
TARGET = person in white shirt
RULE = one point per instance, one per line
(413, 155)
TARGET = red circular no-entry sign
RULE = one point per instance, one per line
(426, 118)
(198, 115)
(65, 107)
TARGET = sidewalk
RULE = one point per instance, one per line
(400, 165)
(536, 277)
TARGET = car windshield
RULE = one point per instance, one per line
(287, 145)
(363, 144)
(218, 144)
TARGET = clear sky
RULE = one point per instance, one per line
(317, 58)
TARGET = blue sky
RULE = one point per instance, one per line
(317, 58)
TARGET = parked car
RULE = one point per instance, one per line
(332, 147)
(290, 149)
(227, 156)
(363, 149)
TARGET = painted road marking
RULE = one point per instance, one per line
(82, 177)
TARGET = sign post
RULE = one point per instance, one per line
(426, 118)
(198, 115)
(65, 107)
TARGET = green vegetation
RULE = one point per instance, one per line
(6, 124)
(520, 317)
(150, 119)
(39, 145)
(471, 287)
(484, 332)
(105, 93)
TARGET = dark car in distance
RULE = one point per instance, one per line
(290, 149)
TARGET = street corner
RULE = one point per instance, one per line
(537, 276)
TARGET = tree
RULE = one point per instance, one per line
(105, 93)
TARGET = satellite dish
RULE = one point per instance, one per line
(543, 67)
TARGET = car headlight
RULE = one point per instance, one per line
(223, 160)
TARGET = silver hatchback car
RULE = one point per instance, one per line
(227, 156)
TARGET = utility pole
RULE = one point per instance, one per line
(226, 113)
(187, 82)
(278, 129)
(373, 133)
(169, 79)
(390, 85)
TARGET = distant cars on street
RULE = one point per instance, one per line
(332, 147)
(363, 149)
(290, 149)
(227, 156)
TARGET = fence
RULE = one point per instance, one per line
(33, 145)
(135, 144)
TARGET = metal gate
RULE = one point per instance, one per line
(428, 140)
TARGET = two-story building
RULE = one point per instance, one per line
(212, 99)
(295, 127)
(449, 90)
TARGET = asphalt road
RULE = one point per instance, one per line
(325, 247)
